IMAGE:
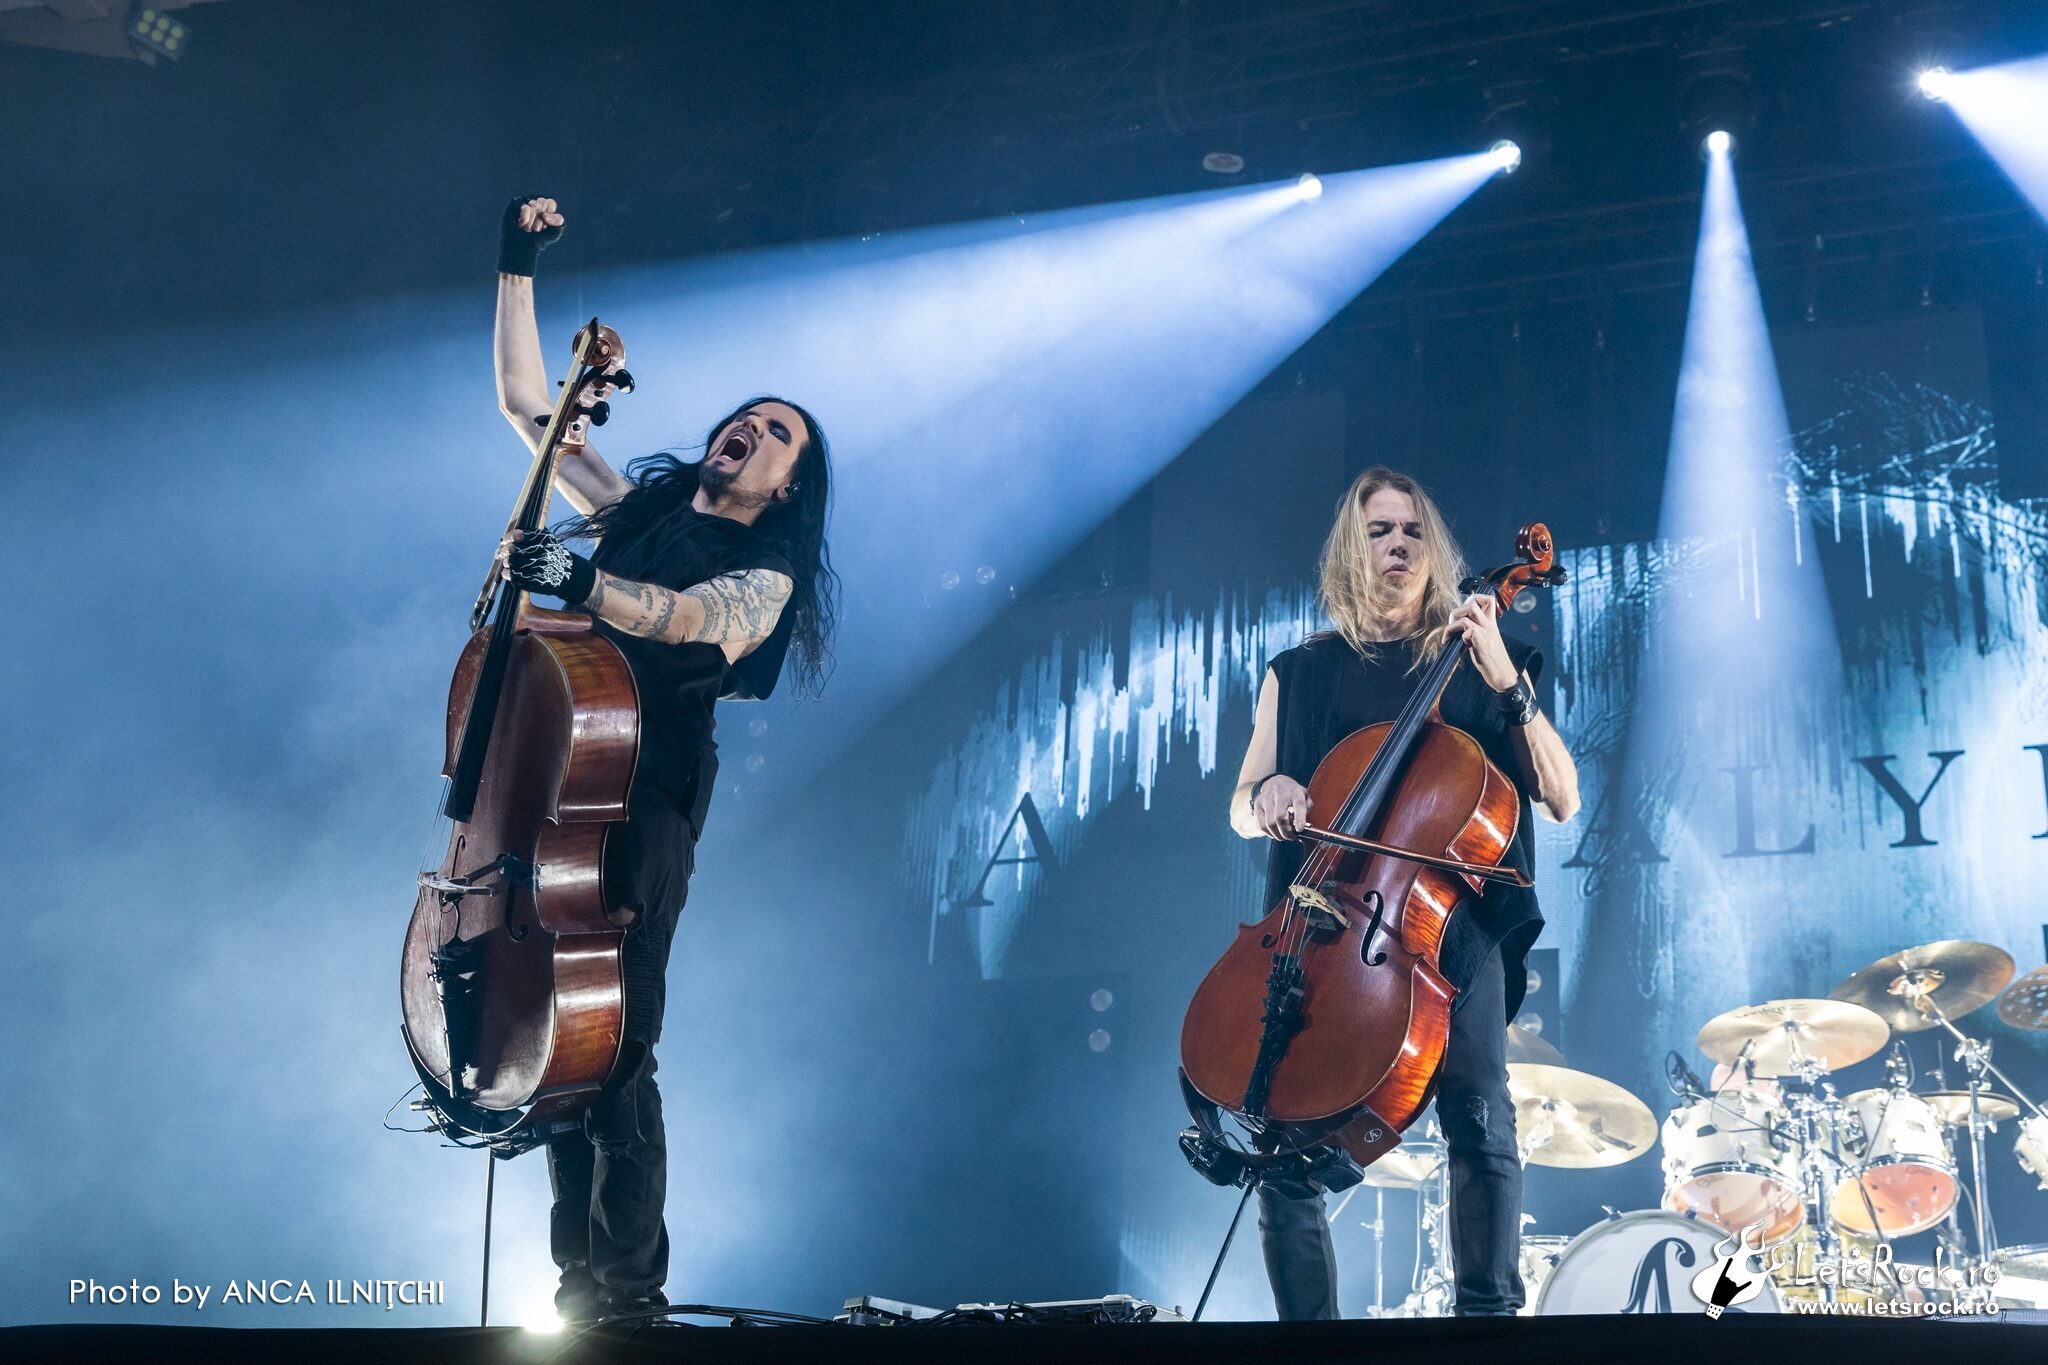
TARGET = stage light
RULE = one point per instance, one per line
(1718, 143)
(1310, 188)
(158, 32)
(1934, 83)
(2005, 108)
(1507, 155)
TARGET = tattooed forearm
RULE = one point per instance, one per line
(665, 612)
(730, 610)
(740, 606)
(594, 604)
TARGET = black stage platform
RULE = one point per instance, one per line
(1668, 1340)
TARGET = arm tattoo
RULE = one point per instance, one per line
(740, 606)
(594, 604)
(735, 607)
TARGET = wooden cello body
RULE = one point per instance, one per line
(538, 1011)
(511, 981)
(1324, 1023)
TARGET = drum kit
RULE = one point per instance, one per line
(1817, 1186)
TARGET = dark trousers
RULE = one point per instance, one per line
(1478, 1120)
(610, 1175)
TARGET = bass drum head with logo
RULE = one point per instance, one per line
(1642, 1262)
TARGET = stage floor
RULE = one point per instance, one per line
(1673, 1340)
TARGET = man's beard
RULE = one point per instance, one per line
(713, 480)
(717, 484)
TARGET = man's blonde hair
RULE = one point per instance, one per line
(1350, 588)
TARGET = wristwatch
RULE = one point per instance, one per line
(1517, 704)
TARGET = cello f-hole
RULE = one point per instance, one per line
(1378, 905)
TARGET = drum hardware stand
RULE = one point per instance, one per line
(1378, 1228)
(1975, 1055)
(1816, 1110)
(1432, 1286)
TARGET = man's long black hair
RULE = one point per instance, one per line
(796, 529)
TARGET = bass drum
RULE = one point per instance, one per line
(1642, 1262)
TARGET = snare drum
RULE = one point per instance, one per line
(1642, 1262)
(1720, 1162)
(2031, 1147)
(1905, 1166)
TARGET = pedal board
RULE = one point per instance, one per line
(872, 1310)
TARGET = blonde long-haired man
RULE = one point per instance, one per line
(1389, 584)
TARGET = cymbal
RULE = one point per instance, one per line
(1526, 1046)
(1779, 1033)
(1407, 1167)
(1955, 976)
(1954, 1106)
(1577, 1121)
(2025, 1002)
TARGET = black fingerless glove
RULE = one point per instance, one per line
(542, 563)
(518, 249)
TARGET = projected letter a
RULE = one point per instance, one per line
(1033, 846)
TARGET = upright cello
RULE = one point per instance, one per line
(511, 983)
(1322, 1028)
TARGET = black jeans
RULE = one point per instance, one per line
(1478, 1120)
(610, 1176)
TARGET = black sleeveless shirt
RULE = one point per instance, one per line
(1326, 690)
(680, 684)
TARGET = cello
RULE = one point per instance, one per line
(511, 982)
(1322, 1028)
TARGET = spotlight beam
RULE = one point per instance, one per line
(2005, 108)
(994, 391)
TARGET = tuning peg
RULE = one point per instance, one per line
(622, 380)
(599, 413)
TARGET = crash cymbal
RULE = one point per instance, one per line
(1407, 1167)
(1574, 1120)
(1954, 1106)
(1954, 976)
(2024, 1004)
(1779, 1033)
(1525, 1046)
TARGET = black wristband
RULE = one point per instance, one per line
(542, 563)
(1517, 704)
(518, 249)
(1252, 798)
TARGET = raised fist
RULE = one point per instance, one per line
(529, 223)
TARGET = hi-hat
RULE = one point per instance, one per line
(1779, 1034)
(1570, 1119)
(1407, 1167)
(1527, 1046)
(1953, 976)
(1954, 1106)
(2025, 1002)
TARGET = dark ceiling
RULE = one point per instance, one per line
(306, 152)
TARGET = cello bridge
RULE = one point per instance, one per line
(1322, 912)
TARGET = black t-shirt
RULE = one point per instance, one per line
(680, 684)
(1327, 690)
